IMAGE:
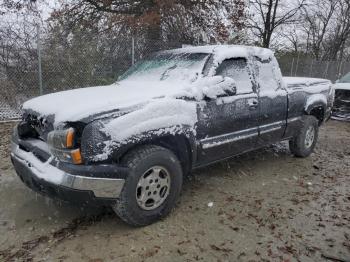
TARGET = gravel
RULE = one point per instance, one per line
(262, 206)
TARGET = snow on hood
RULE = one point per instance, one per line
(80, 103)
(77, 104)
(342, 86)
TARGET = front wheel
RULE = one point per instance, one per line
(152, 186)
(303, 144)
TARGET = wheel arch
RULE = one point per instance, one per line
(317, 111)
(316, 106)
(181, 145)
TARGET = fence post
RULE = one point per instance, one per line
(291, 69)
(132, 50)
(297, 65)
(312, 64)
(39, 60)
(339, 74)
(326, 72)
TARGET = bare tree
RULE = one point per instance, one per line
(293, 37)
(327, 26)
(17, 49)
(317, 23)
(179, 19)
(17, 32)
(268, 15)
(340, 34)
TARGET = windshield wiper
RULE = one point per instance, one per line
(165, 74)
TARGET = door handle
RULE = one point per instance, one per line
(253, 103)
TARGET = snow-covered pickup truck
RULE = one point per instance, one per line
(129, 145)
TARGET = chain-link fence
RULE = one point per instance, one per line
(308, 67)
(57, 68)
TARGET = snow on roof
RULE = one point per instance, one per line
(227, 51)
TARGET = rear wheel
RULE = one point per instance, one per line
(152, 186)
(303, 144)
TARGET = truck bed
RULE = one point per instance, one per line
(304, 81)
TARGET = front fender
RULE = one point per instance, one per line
(97, 146)
(159, 118)
(117, 148)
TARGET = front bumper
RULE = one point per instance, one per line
(341, 112)
(45, 178)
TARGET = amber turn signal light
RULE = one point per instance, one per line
(70, 138)
(76, 157)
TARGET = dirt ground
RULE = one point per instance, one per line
(262, 206)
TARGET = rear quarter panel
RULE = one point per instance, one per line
(303, 98)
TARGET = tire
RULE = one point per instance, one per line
(302, 145)
(145, 163)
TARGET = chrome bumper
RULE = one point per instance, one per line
(101, 187)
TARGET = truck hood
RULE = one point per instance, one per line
(77, 104)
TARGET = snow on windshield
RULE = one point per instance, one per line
(167, 67)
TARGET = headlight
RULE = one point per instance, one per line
(62, 138)
(63, 145)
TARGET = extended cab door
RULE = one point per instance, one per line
(273, 101)
(229, 125)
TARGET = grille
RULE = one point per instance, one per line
(40, 127)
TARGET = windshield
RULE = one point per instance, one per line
(345, 79)
(167, 67)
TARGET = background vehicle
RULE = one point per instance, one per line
(341, 109)
(129, 145)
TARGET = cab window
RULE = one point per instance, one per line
(266, 75)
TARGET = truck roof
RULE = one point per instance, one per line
(226, 51)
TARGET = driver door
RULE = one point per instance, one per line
(229, 125)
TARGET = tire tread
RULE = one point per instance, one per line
(131, 160)
(296, 145)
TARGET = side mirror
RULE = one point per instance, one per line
(209, 88)
(218, 86)
(230, 90)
